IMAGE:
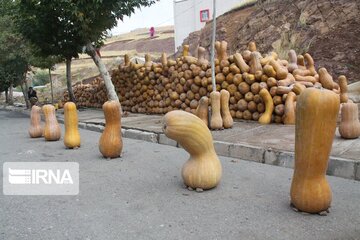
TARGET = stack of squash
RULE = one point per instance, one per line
(160, 87)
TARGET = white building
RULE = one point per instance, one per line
(191, 15)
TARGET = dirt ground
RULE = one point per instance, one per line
(327, 29)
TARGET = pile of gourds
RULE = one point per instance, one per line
(92, 94)
(160, 87)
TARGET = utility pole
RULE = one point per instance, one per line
(213, 48)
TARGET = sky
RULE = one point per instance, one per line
(159, 14)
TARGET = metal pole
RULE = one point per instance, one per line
(213, 48)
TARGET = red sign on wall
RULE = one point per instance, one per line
(204, 15)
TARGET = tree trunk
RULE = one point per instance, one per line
(103, 71)
(51, 87)
(25, 95)
(68, 80)
(24, 90)
(11, 96)
(6, 96)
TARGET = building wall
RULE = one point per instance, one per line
(187, 15)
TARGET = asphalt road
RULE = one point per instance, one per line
(141, 196)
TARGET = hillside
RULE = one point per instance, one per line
(327, 29)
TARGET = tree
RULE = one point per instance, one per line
(46, 63)
(14, 51)
(77, 23)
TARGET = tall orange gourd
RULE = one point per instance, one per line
(110, 144)
(35, 129)
(316, 115)
(52, 130)
(72, 136)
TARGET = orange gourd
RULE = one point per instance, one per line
(269, 106)
(343, 89)
(52, 130)
(202, 110)
(216, 121)
(349, 126)
(72, 135)
(225, 112)
(110, 144)
(289, 111)
(316, 115)
(35, 129)
(203, 169)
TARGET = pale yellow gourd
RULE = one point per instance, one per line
(203, 169)
(35, 129)
(216, 121)
(72, 135)
(225, 112)
(269, 106)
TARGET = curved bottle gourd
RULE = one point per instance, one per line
(52, 131)
(203, 169)
(110, 143)
(35, 129)
(316, 115)
(72, 136)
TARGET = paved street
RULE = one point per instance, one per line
(141, 196)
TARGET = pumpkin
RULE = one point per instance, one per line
(269, 106)
(72, 136)
(349, 126)
(343, 89)
(225, 112)
(216, 121)
(203, 169)
(202, 111)
(110, 144)
(316, 115)
(289, 111)
(52, 130)
(35, 129)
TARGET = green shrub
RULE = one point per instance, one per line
(41, 78)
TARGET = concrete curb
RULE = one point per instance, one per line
(339, 167)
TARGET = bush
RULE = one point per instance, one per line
(41, 78)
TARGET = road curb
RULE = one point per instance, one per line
(339, 167)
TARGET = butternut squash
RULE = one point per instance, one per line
(269, 106)
(281, 72)
(298, 88)
(240, 63)
(35, 130)
(343, 89)
(316, 115)
(110, 143)
(72, 135)
(272, 56)
(255, 64)
(202, 111)
(287, 81)
(269, 71)
(252, 46)
(225, 112)
(349, 126)
(310, 67)
(289, 110)
(203, 169)
(52, 130)
(326, 79)
(292, 61)
(185, 50)
(300, 78)
(216, 122)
